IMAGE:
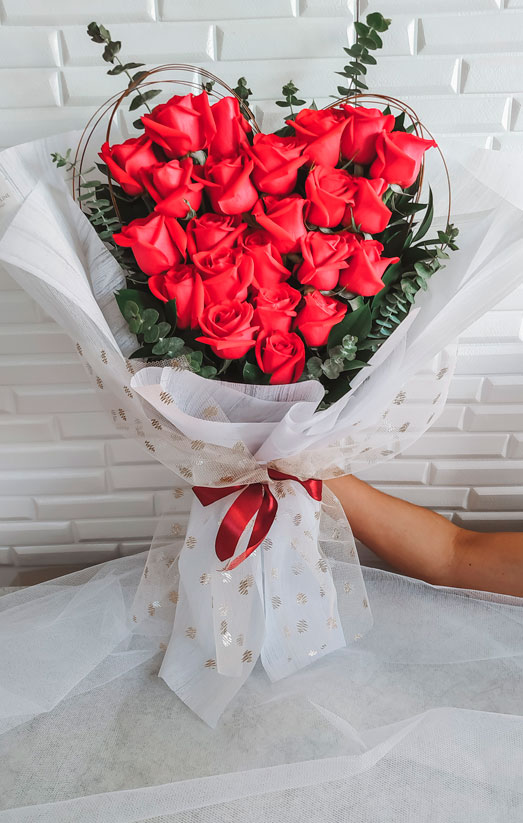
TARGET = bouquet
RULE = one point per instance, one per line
(254, 309)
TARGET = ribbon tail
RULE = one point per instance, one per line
(262, 526)
(246, 505)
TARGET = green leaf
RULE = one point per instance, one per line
(282, 104)
(354, 364)
(176, 346)
(118, 69)
(138, 76)
(378, 42)
(242, 89)
(164, 329)
(135, 324)
(142, 98)
(170, 312)
(111, 50)
(367, 42)
(93, 30)
(151, 334)
(378, 22)
(252, 373)
(357, 323)
(354, 51)
(150, 317)
(141, 299)
(427, 220)
(138, 124)
(368, 59)
(361, 29)
(208, 371)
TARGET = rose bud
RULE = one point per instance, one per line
(276, 163)
(329, 191)
(321, 131)
(283, 220)
(226, 273)
(282, 355)
(366, 268)
(369, 211)
(324, 255)
(171, 187)
(275, 307)
(358, 141)
(227, 328)
(213, 231)
(157, 242)
(319, 314)
(231, 129)
(126, 161)
(399, 156)
(182, 125)
(183, 284)
(269, 270)
(229, 185)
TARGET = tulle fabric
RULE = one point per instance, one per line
(421, 719)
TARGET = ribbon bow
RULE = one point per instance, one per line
(255, 499)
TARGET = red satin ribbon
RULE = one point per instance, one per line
(255, 499)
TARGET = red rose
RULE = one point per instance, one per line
(227, 329)
(269, 270)
(282, 355)
(366, 268)
(318, 316)
(275, 307)
(157, 242)
(398, 157)
(369, 211)
(231, 129)
(226, 273)
(229, 184)
(171, 187)
(321, 131)
(276, 163)
(182, 125)
(283, 220)
(183, 284)
(324, 255)
(358, 141)
(127, 160)
(329, 191)
(212, 230)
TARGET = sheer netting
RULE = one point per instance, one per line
(334, 690)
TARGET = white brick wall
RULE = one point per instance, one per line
(71, 491)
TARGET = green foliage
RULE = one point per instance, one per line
(242, 90)
(289, 93)
(100, 34)
(367, 38)
(94, 201)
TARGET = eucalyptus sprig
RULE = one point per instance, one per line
(289, 92)
(242, 90)
(367, 37)
(98, 209)
(100, 34)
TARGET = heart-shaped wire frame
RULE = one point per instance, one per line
(111, 106)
